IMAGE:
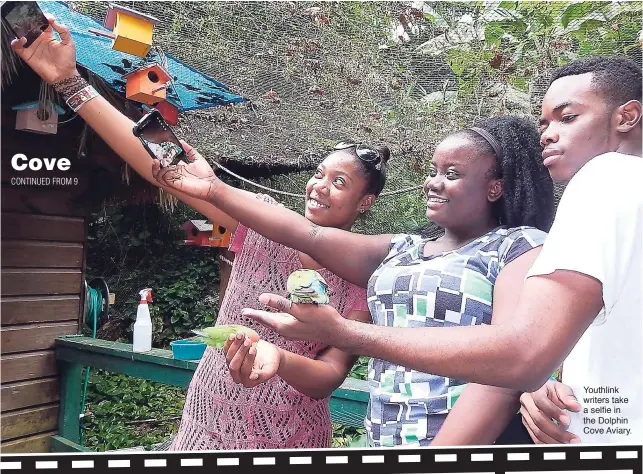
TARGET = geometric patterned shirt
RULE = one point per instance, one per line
(451, 288)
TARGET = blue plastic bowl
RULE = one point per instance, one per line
(186, 349)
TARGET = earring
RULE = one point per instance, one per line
(362, 211)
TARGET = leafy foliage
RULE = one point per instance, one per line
(124, 412)
(360, 369)
(346, 436)
(138, 246)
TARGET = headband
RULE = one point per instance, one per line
(490, 139)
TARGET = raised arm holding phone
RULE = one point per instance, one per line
(55, 62)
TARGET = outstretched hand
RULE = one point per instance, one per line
(196, 179)
(308, 322)
(546, 404)
(51, 59)
(251, 364)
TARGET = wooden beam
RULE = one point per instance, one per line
(38, 309)
(41, 201)
(158, 365)
(63, 445)
(34, 337)
(23, 254)
(40, 443)
(16, 424)
(38, 227)
(347, 405)
(97, 352)
(28, 366)
(40, 282)
(70, 403)
(31, 393)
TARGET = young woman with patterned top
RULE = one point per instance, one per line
(494, 198)
(288, 411)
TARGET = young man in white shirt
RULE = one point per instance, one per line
(593, 258)
(590, 136)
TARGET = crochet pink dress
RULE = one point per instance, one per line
(220, 414)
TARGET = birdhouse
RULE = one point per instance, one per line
(147, 84)
(132, 31)
(205, 234)
(220, 236)
(169, 112)
(33, 118)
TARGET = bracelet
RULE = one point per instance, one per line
(77, 100)
(68, 87)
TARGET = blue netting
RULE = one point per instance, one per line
(190, 88)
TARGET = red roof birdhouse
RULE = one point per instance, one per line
(220, 236)
(205, 234)
(169, 112)
(147, 84)
(33, 118)
(198, 232)
(132, 31)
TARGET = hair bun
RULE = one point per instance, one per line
(384, 152)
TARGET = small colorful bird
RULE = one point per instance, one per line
(216, 336)
(307, 286)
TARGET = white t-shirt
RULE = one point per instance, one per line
(598, 231)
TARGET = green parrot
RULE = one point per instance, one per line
(307, 286)
(216, 336)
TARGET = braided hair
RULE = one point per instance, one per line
(528, 190)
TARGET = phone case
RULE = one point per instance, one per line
(137, 131)
(7, 7)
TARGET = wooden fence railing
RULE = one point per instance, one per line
(347, 404)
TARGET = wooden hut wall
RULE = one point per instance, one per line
(43, 253)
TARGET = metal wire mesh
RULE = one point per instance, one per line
(400, 73)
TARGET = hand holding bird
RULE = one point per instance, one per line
(307, 286)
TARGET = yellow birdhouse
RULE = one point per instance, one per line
(132, 30)
(220, 236)
(147, 84)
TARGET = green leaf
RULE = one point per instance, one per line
(431, 18)
(587, 29)
(493, 33)
(576, 11)
(517, 54)
(519, 82)
(508, 5)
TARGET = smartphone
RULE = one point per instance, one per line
(25, 19)
(159, 140)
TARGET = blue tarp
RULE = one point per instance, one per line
(190, 88)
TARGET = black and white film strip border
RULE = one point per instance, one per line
(499, 460)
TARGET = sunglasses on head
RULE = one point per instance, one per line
(363, 152)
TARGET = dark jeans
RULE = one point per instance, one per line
(515, 433)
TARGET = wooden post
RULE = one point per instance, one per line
(68, 419)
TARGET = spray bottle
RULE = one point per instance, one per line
(143, 324)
